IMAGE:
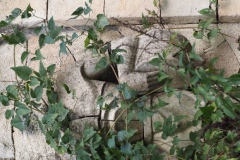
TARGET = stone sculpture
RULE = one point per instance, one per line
(138, 74)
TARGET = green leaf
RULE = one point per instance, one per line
(111, 142)
(54, 33)
(15, 38)
(22, 109)
(49, 119)
(23, 72)
(198, 114)
(42, 70)
(198, 34)
(86, 42)
(38, 91)
(130, 116)
(12, 92)
(162, 76)
(157, 125)
(14, 14)
(49, 40)
(92, 34)
(66, 88)
(160, 104)
(51, 69)
(41, 40)
(3, 24)
(102, 63)
(4, 100)
(51, 24)
(122, 135)
(74, 35)
(63, 48)
(9, 114)
(79, 11)
(101, 22)
(68, 138)
(87, 9)
(37, 30)
(206, 11)
(126, 148)
(195, 56)
(145, 22)
(24, 55)
(26, 13)
(34, 81)
(142, 115)
(213, 33)
(18, 123)
(39, 56)
(41, 126)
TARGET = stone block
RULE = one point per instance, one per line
(231, 32)
(61, 11)
(51, 52)
(7, 61)
(31, 144)
(7, 6)
(227, 60)
(228, 10)
(128, 11)
(201, 45)
(77, 125)
(182, 12)
(174, 108)
(120, 125)
(6, 141)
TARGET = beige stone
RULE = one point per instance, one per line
(227, 60)
(6, 7)
(6, 141)
(7, 61)
(128, 11)
(62, 10)
(231, 32)
(201, 45)
(31, 144)
(182, 12)
(186, 108)
(51, 52)
(228, 10)
(77, 125)
(120, 125)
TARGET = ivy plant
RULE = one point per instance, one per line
(218, 137)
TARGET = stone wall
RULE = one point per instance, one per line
(125, 15)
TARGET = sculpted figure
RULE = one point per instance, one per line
(138, 74)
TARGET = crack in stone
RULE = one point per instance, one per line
(14, 151)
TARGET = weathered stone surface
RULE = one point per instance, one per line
(87, 91)
(77, 125)
(174, 108)
(147, 128)
(51, 52)
(128, 11)
(226, 59)
(6, 142)
(31, 144)
(7, 6)
(228, 11)
(182, 12)
(7, 61)
(231, 32)
(62, 10)
(120, 125)
(136, 70)
(201, 45)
